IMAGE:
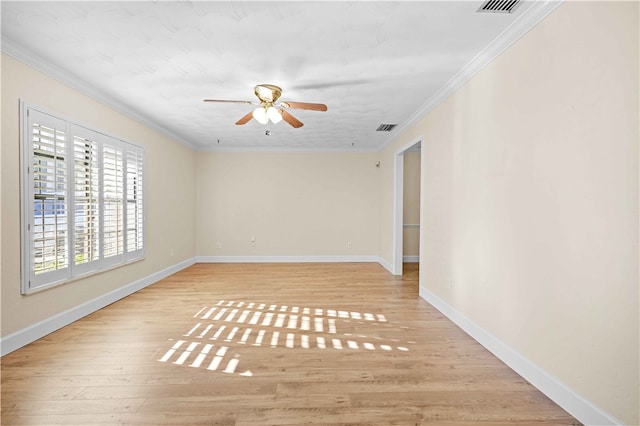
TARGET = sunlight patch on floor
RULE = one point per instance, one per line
(306, 328)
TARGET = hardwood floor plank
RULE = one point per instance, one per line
(74, 406)
(178, 391)
(249, 402)
(219, 418)
(268, 344)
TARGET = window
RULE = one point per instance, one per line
(82, 201)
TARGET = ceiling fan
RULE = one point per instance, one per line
(268, 109)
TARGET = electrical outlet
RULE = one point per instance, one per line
(218, 245)
(450, 283)
(349, 245)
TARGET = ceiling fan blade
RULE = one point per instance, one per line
(291, 119)
(245, 119)
(304, 105)
(227, 102)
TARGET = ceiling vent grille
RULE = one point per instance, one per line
(499, 6)
(385, 127)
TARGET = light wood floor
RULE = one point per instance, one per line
(269, 344)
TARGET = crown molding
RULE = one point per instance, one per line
(529, 18)
(24, 55)
(289, 149)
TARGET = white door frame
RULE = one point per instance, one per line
(398, 202)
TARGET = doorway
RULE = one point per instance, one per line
(407, 190)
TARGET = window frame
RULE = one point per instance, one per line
(74, 134)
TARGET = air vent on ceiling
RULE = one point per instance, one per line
(385, 127)
(499, 6)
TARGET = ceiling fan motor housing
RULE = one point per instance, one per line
(268, 92)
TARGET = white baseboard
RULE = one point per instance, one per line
(561, 394)
(411, 259)
(386, 265)
(34, 332)
(286, 259)
(296, 259)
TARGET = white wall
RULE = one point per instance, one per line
(294, 204)
(170, 197)
(530, 176)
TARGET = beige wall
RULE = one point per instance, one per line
(530, 175)
(295, 204)
(170, 202)
(411, 204)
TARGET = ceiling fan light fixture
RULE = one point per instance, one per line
(260, 114)
(268, 94)
(274, 115)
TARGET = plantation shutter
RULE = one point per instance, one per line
(113, 200)
(86, 201)
(134, 202)
(48, 200)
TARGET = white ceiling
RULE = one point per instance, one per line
(369, 62)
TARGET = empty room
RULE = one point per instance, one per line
(247, 213)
